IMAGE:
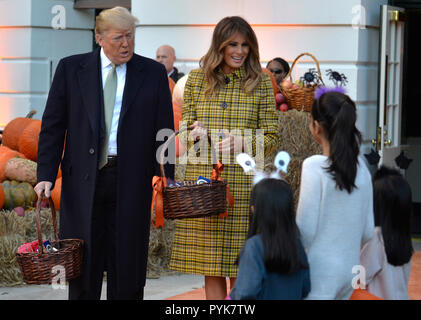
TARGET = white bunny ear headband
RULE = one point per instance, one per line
(248, 164)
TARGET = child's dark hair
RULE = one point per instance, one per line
(392, 212)
(284, 64)
(336, 113)
(274, 219)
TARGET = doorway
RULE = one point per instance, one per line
(411, 103)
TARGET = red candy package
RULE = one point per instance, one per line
(29, 247)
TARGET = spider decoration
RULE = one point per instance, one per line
(336, 77)
(310, 78)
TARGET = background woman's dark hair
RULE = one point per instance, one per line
(284, 64)
(337, 114)
(392, 212)
(274, 219)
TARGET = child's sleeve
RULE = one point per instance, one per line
(308, 208)
(372, 259)
(369, 224)
(250, 274)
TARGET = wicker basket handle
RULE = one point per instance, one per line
(38, 220)
(296, 60)
(170, 138)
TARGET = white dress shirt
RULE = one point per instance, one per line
(121, 80)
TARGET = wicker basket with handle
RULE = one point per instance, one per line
(301, 98)
(191, 200)
(40, 267)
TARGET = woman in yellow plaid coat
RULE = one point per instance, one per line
(230, 99)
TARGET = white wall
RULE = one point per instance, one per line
(30, 49)
(333, 31)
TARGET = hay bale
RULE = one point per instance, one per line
(160, 247)
(296, 139)
(10, 274)
(161, 240)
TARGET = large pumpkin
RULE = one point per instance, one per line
(56, 194)
(177, 115)
(13, 131)
(272, 78)
(5, 155)
(178, 92)
(18, 194)
(171, 84)
(28, 141)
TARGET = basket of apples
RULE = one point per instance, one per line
(300, 95)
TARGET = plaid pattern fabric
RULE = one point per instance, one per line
(210, 245)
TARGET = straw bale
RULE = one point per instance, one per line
(10, 274)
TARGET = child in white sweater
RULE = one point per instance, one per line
(387, 256)
(335, 208)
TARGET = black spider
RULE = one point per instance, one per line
(336, 77)
(310, 77)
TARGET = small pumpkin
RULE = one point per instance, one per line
(18, 194)
(21, 170)
(13, 131)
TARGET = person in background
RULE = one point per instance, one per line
(387, 256)
(335, 207)
(229, 98)
(104, 110)
(279, 68)
(273, 264)
(166, 55)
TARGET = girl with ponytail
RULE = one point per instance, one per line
(335, 207)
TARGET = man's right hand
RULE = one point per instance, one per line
(43, 186)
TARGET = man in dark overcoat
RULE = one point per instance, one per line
(107, 167)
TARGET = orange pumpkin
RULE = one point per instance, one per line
(172, 84)
(272, 78)
(1, 196)
(56, 194)
(5, 155)
(360, 294)
(179, 148)
(177, 115)
(28, 142)
(13, 131)
(178, 92)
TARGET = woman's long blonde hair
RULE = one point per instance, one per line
(214, 58)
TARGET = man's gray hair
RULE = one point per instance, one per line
(117, 17)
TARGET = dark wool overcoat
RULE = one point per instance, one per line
(73, 119)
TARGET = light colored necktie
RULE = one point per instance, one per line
(110, 89)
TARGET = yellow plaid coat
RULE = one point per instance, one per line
(210, 245)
